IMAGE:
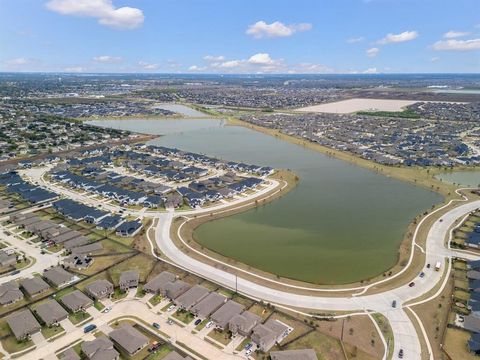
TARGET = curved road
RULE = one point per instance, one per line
(405, 335)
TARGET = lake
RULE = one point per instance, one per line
(341, 224)
(462, 178)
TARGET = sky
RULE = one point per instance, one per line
(240, 36)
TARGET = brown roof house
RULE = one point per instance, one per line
(243, 323)
(58, 276)
(128, 279)
(10, 293)
(208, 305)
(266, 335)
(51, 312)
(76, 301)
(34, 286)
(100, 289)
(191, 297)
(222, 316)
(158, 283)
(23, 324)
(99, 349)
(306, 354)
(69, 354)
(129, 339)
(172, 290)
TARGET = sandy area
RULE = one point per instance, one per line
(354, 105)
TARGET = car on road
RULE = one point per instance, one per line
(107, 309)
(209, 324)
(170, 308)
(412, 284)
(400, 354)
(428, 266)
(156, 325)
(170, 322)
(89, 328)
(394, 303)
(15, 272)
(422, 274)
(198, 321)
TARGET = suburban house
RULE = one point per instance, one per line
(34, 286)
(243, 323)
(305, 354)
(222, 316)
(99, 289)
(191, 297)
(77, 261)
(208, 305)
(174, 289)
(100, 348)
(128, 279)
(7, 259)
(51, 312)
(10, 293)
(58, 277)
(76, 301)
(69, 354)
(129, 339)
(266, 335)
(23, 324)
(129, 228)
(158, 282)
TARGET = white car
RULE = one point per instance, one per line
(171, 307)
(248, 352)
(209, 324)
(107, 309)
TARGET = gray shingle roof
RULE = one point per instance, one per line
(223, 315)
(58, 276)
(51, 312)
(99, 349)
(191, 296)
(76, 300)
(34, 286)
(10, 293)
(23, 324)
(208, 305)
(129, 338)
(158, 282)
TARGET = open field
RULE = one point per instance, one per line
(354, 105)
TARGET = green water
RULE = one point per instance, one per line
(462, 178)
(340, 224)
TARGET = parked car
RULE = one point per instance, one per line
(171, 307)
(209, 324)
(428, 266)
(400, 354)
(107, 309)
(156, 325)
(412, 284)
(422, 274)
(249, 351)
(198, 321)
(248, 346)
(170, 322)
(394, 303)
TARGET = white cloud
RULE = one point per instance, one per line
(397, 38)
(276, 29)
(214, 58)
(455, 34)
(372, 52)
(148, 66)
(371, 71)
(107, 59)
(434, 59)
(197, 68)
(355, 40)
(75, 69)
(457, 45)
(261, 59)
(230, 64)
(309, 68)
(18, 61)
(103, 10)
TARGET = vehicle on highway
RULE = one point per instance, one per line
(400, 354)
(209, 324)
(198, 321)
(412, 284)
(422, 274)
(89, 328)
(156, 325)
(394, 303)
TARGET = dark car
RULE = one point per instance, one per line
(156, 325)
(400, 354)
(198, 321)
(428, 266)
(422, 274)
(412, 284)
(394, 303)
